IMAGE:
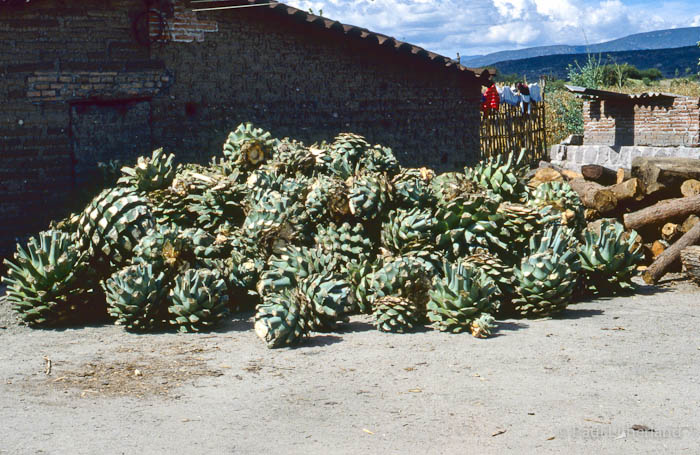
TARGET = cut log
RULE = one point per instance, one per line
(544, 164)
(569, 175)
(545, 175)
(689, 223)
(594, 196)
(629, 189)
(623, 174)
(666, 260)
(637, 243)
(690, 257)
(690, 188)
(658, 247)
(664, 174)
(662, 212)
(670, 232)
(591, 214)
(599, 174)
(568, 216)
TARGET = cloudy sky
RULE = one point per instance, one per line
(483, 26)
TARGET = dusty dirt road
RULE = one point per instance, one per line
(608, 376)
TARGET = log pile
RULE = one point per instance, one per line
(691, 262)
(658, 197)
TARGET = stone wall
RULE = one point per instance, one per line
(69, 68)
(657, 122)
(575, 156)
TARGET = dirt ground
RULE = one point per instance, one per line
(608, 376)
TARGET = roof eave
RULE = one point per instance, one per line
(483, 76)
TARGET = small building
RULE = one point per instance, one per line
(86, 81)
(619, 127)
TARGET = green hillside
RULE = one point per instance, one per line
(658, 39)
(670, 62)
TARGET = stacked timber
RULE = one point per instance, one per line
(658, 197)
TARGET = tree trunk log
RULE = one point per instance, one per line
(662, 212)
(629, 189)
(545, 175)
(599, 174)
(567, 174)
(658, 247)
(690, 222)
(690, 257)
(571, 175)
(594, 196)
(659, 174)
(544, 164)
(690, 188)
(638, 240)
(658, 269)
(591, 214)
(623, 174)
(670, 232)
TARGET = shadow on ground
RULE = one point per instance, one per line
(237, 322)
(572, 313)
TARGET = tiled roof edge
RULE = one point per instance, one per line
(483, 74)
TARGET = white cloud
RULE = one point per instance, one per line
(483, 26)
(510, 9)
(507, 33)
(561, 10)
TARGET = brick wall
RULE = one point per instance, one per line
(309, 84)
(186, 27)
(45, 86)
(51, 55)
(660, 122)
(214, 71)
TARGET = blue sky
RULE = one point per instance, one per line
(483, 26)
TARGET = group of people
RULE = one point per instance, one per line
(522, 95)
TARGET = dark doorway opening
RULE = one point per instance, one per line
(104, 131)
(113, 132)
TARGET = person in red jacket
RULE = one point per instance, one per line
(490, 100)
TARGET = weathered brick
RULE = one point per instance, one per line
(279, 74)
(28, 67)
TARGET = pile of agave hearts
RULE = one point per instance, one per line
(311, 234)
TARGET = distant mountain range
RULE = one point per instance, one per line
(660, 39)
(668, 61)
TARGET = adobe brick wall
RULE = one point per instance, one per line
(657, 123)
(45, 86)
(51, 54)
(303, 83)
(216, 70)
(186, 26)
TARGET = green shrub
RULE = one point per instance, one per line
(590, 75)
(507, 79)
(564, 114)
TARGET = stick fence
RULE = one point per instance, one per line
(510, 130)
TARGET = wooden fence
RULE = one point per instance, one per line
(508, 129)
